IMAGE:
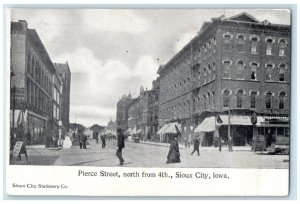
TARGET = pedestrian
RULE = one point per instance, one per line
(84, 139)
(185, 142)
(220, 143)
(189, 140)
(120, 145)
(103, 140)
(97, 139)
(80, 138)
(230, 144)
(174, 154)
(196, 145)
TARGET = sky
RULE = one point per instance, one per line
(115, 52)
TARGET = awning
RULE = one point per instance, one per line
(139, 131)
(209, 123)
(161, 130)
(240, 119)
(173, 128)
(133, 131)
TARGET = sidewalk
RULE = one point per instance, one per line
(181, 146)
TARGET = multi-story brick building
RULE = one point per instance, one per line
(153, 109)
(122, 112)
(36, 88)
(65, 75)
(234, 66)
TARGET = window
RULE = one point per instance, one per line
(281, 75)
(268, 100)
(227, 38)
(282, 69)
(204, 102)
(226, 99)
(240, 70)
(253, 99)
(214, 70)
(254, 43)
(209, 72)
(281, 99)
(239, 98)
(282, 46)
(226, 71)
(213, 102)
(204, 73)
(240, 43)
(253, 70)
(269, 46)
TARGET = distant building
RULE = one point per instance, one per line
(65, 74)
(111, 127)
(122, 112)
(235, 66)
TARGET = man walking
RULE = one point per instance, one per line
(121, 145)
(230, 144)
(196, 145)
(103, 140)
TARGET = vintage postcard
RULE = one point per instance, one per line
(148, 102)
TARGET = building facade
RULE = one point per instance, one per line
(65, 75)
(122, 112)
(36, 89)
(235, 67)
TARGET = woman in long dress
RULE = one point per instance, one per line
(174, 154)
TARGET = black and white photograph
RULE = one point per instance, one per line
(150, 88)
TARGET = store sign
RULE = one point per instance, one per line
(19, 149)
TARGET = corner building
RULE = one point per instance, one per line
(234, 67)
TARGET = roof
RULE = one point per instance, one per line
(245, 17)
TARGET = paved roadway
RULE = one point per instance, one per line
(146, 155)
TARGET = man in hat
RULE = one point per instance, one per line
(120, 145)
(196, 145)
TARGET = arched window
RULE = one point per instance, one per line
(209, 72)
(281, 99)
(268, 100)
(214, 70)
(254, 42)
(204, 102)
(240, 69)
(282, 70)
(226, 70)
(226, 95)
(253, 70)
(239, 98)
(240, 43)
(204, 74)
(227, 38)
(269, 46)
(282, 46)
(213, 102)
(253, 95)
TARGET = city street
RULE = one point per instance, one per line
(149, 155)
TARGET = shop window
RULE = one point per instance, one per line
(268, 100)
(281, 100)
(240, 43)
(240, 70)
(239, 98)
(253, 99)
